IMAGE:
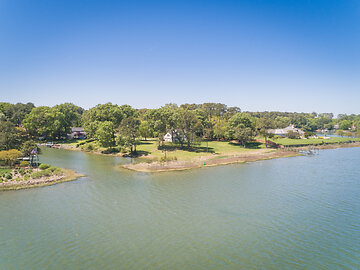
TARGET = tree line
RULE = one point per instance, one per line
(112, 125)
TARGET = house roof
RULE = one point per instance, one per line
(284, 131)
(77, 129)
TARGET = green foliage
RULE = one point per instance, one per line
(28, 146)
(105, 133)
(9, 136)
(345, 124)
(44, 166)
(241, 128)
(128, 131)
(10, 156)
(26, 177)
(292, 135)
(89, 147)
(8, 176)
(24, 163)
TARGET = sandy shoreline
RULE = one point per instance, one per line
(68, 175)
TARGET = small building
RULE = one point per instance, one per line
(77, 133)
(168, 137)
(172, 135)
(282, 132)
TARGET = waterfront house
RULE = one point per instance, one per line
(77, 133)
(282, 132)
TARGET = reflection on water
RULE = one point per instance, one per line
(301, 212)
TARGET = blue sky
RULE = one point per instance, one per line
(259, 55)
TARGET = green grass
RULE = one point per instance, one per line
(149, 149)
(2, 170)
(294, 142)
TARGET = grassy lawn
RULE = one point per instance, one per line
(149, 149)
(286, 141)
(2, 170)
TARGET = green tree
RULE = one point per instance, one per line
(241, 128)
(262, 126)
(9, 136)
(128, 131)
(187, 127)
(345, 124)
(105, 133)
(145, 129)
(27, 147)
(10, 156)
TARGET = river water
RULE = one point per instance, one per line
(289, 213)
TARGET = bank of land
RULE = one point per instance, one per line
(169, 157)
(20, 178)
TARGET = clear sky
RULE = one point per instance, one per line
(291, 55)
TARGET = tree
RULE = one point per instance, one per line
(9, 136)
(145, 129)
(16, 113)
(345, 124)
(72, 114)
(292, 135)
(262, 126)
(128, 132)
(187, 127)
(105, 133)
(46, 122)
(220, 128)
(27, 147)
(241, 128)
(10, 156)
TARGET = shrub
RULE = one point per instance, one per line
(53, 168)
(22, 171)
(24, 163)
(8, 176)
(110, 150)
(44, 166)
(26, 177)
(89, 147)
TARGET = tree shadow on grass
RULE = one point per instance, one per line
(138, 153)
(196, 149)
(145, 142)
(248, 145)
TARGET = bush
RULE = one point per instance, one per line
(8, 176)
(110, 150)
(26, 177)
(22, 171)
(24, 163)
(89, 147)
(44, 166)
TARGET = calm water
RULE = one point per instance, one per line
(292, 213)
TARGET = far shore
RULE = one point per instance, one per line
(67, 175)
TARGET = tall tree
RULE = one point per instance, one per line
(262, 126)
(128, 131)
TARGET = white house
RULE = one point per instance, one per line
(172, 135)
(168, 137)
(283, 131)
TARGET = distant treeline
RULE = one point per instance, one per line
(113, 125)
